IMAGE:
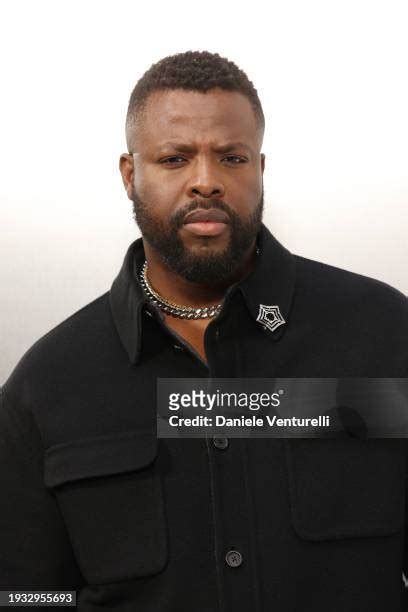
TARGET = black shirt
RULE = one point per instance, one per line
(93, 501)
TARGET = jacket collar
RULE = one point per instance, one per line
(270, 284)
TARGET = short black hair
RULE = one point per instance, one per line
(194, 71)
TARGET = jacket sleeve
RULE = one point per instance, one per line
(35, 552)
(405, 551)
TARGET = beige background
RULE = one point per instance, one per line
(332, 79)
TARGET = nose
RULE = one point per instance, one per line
(205, 181)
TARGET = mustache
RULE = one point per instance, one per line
(178, 217)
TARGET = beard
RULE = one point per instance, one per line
(209, 268)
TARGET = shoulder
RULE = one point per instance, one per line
(357, 320)
(68, 348)
(341, 288)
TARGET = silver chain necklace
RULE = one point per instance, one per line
(176, 310)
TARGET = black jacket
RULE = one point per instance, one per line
(92, 501)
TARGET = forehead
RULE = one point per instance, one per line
(191, 115)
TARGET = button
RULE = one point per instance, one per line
(220, 442)
(233, 558)
(178, 347)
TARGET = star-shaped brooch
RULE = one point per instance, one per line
(270, 317)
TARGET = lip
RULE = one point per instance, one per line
(206, 228)
(205, 216)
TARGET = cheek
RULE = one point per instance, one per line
(155, 192)
(247, 194)
(140, 181)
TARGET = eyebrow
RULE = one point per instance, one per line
(185, 148)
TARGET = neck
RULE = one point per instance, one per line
(177, 289)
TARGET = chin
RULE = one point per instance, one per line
(207, 244)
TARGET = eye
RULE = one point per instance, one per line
(234, 159)
(173, 160)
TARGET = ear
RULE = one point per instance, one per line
(262, 162)
(126, 168)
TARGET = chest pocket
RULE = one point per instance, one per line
(345, 488)
(110, 495)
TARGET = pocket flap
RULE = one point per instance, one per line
(101, 456)
(110, 495)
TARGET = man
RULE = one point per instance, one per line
(92, 501)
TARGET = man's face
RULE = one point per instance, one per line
(196, 180)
